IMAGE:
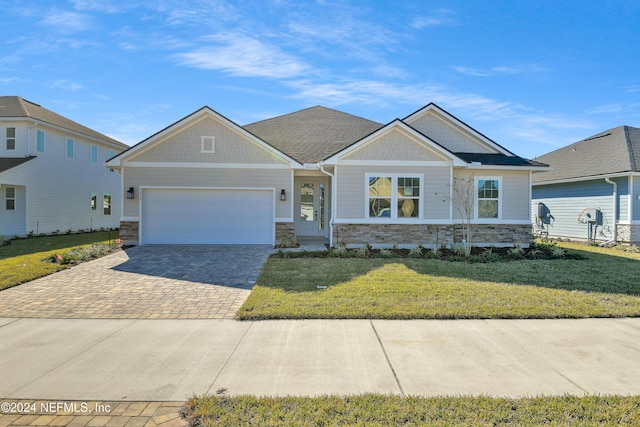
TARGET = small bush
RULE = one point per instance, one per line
(364, 251)
(416, 252)
(516, 253)
(339, 252)
(289, 242)
(434, 254)
(88, 253)
(386, 253)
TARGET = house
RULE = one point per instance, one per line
(52, 174)
(593, 189)
(322, 173)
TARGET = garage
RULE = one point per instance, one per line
(206, 216)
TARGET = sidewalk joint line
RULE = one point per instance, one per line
(12, 322)
(226, 362)
(386, 355)
(571, 381)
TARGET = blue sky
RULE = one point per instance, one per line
(531, 75)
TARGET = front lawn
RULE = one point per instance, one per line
(380, 410)
(24, 260)
(605, 284)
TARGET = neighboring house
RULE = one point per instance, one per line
(593, 189)
(322, 173)
(52, 174)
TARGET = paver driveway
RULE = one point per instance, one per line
(144, 282)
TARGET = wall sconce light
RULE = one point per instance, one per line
(283, 195)
(130, 193)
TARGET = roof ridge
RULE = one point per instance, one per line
(306, 109)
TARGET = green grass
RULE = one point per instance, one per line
(25, 259)
(603, 285)
(381, 410)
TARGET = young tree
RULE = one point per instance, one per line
(464, 197)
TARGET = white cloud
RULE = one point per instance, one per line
(67, 22)
(437, 19)
(243, 56)
(66, 85)
(501, 70)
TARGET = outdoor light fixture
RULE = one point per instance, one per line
(130, 194)
(283, 195)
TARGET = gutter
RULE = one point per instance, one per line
(615, 209)
(333, 204)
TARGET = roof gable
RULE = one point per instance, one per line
(313, 134)
(19, 108)
(177, 144)
(452, 133)
(613, 151)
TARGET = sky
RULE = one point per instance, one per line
(531, 75)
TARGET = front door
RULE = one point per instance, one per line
(311, 206)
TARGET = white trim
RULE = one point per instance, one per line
(130, 218)
(205, 149)
(284, 220)
(417, 137)
(394, 195)
(507, 168)
(500, 189)
(530, 196)
(585, 178)
(452, 120)
(630, 199)
(451, 181)
(204, 165)
(393, 163)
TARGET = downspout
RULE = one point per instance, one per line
(615, 209)
(333, 204)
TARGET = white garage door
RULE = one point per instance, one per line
(184, 216)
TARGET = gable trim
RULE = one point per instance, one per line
(394, 163)
(585, 178)
(441, 114)
(194, 165)
(193, 118)
(419, 138)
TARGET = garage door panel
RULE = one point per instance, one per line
(184, 216)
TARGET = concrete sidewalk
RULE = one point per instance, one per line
(171, 360)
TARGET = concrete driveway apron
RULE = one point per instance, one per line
(144, 282)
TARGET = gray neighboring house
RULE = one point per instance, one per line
(592, 191)
(321, 173)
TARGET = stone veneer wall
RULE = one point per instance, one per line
(129, 232)
(430, 235)
(284, 230)
(629, 233)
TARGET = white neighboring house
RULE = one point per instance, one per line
(52, 173)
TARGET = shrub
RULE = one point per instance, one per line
(434, 254)
(364, 251)
(386, 253)
(339, 252)
(87, 253)
(289, 242)
(416, 252)
(516, 252)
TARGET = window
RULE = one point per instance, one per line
(40, 141)
(94, 154)
(10, 198)
(11, 138)
(488, 197)
(94, 202)
(208, 144)
(394, 196)
(106, 204)
(69, 148)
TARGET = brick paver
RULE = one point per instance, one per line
(155, 414)
(146, 282)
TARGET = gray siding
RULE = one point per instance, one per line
(209, 177)
(448, 135)
(566, 202)
(635, 198)
(352, 189)
(392, 146)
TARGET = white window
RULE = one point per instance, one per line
(94, 154)
(94, 202)
(489, 197)
(106, 204)
(11, 138)
(40, 141)
(69, 148)
(394, 196)
(10, 198)
(208, 144)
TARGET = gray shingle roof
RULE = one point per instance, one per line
(613, 151)
(7, 163)
(497, 159)
(313, 134)
(15, 106)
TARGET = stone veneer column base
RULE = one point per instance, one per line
(629, 233)
(129, 232)
(429, 235)
(285, 230)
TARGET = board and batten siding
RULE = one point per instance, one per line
(58, 189)
(394, 146)
(352, 189)
(446, 134)
(277, 179)
(186, 146)
(566, 202)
